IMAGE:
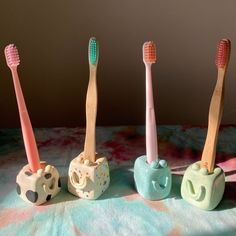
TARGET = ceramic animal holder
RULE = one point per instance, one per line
(88, 179)
(202, 189)
(38, 187)
(152, 181)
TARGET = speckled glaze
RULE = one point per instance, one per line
(87, 179)
(202, 189)
(152, 181)
(38, 188)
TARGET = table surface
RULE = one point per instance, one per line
(120, 210)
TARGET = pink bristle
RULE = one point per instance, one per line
(222, 55)
(12, 56)
(149, 52)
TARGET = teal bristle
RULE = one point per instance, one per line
(92, 51)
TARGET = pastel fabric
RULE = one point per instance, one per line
(120, 210)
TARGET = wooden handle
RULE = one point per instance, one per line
(91, 114)
(215, 115)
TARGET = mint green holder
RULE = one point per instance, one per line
(153, 181)
(202, 189)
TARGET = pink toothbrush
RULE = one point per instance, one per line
(149, 57)
(13, 60)
(152, 176)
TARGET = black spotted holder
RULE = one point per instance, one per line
(38, 188)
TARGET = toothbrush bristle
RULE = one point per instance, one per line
(93, 51)
(149, 52)
(222, 55)
(12, 55)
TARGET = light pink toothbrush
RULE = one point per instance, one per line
(13, 60)
(149, 57)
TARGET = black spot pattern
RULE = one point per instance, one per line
(48, 176)
(18, 190)
(28, 173)
(59, 183)
(48, 197)
(32, 196)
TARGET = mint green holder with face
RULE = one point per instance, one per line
(152, 181)
(202, 189)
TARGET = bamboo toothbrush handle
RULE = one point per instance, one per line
(27, 131)
(215, 115)
(91, 113)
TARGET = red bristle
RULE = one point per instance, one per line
(222, 55)
(12, 56)
(149, 52)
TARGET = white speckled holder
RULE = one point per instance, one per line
(38, 187)
(88, 179)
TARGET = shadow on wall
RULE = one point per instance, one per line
(54, 69)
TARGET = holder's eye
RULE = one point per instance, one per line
(48, 176)
(28, 173)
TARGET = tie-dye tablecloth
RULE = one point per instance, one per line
(120, 210)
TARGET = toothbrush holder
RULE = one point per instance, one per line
(38, 188)
(88, 179)
(202, 189)
(153, 181)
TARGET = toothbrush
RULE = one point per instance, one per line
(91, 102)
(149, 57)
(13, 60)
(216, 106)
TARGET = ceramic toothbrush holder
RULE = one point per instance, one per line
(202, 189)
(38, 188)
(153, 181)
(88, 179)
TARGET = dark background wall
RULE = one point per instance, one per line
(52, 38)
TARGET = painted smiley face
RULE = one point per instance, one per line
(152, 181)
(79, 182)
(202, 189)
(39, 187)
(87, 179)
(49, 180)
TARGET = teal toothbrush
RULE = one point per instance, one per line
(91, 102)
